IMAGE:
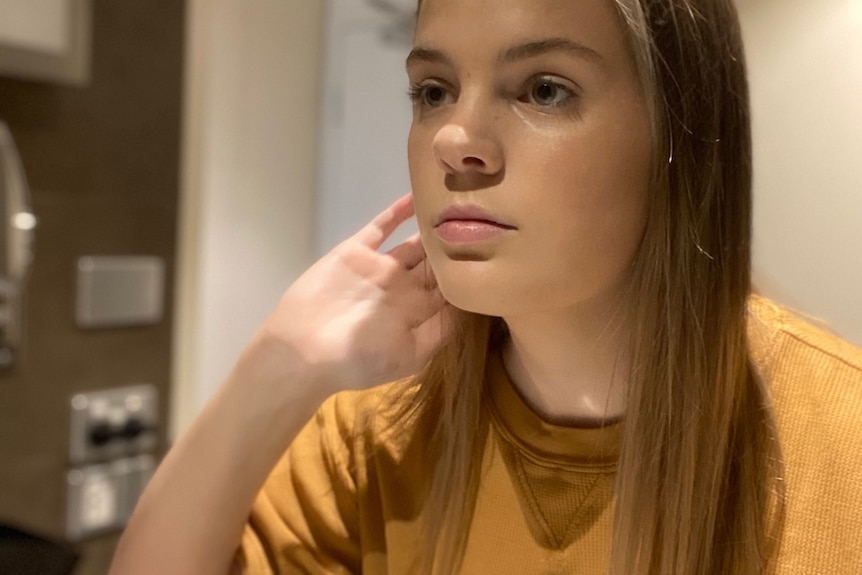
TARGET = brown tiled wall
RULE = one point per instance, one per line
(103, 165)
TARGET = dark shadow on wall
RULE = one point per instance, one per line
(103, 166)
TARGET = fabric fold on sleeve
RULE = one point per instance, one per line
(305, 518)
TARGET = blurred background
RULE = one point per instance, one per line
(172, 166)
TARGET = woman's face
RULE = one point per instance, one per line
(528, 115)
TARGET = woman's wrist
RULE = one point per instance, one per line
(278, 380)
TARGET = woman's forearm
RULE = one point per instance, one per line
(191, 515)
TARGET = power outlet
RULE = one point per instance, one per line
(101, 497)
(100, 500)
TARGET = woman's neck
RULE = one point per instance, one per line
(569, 365)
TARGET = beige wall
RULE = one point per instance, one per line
(250, 157)
(805, 68)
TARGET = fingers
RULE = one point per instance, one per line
(423, 275)
(410, 253)
(381, 227)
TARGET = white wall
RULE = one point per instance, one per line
(805, 69)
(366, 118)
(249, 167)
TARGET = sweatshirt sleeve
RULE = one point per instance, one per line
(304, 519)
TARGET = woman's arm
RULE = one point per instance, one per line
(355, 319)
(190, 517)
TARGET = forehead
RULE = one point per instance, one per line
(476, 24)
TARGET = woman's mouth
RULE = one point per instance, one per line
(469, 224)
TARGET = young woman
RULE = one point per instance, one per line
(581, 379)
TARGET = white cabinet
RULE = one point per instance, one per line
(46, 39)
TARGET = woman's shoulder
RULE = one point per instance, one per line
(782, 339)
(814, 381)
(813, 376)
(375, 418)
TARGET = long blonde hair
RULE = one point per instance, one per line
(697, 487)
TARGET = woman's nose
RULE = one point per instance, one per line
(462, 146)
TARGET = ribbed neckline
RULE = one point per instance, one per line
(521, 426)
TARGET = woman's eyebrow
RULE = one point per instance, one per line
(523, 51)
(539, 47)
(429, 55)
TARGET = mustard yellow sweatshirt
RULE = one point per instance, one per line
(346, 496)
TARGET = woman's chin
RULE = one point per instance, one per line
(470, 299)
(483, 287)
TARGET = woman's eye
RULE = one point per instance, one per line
(545, 92)
(430, 95)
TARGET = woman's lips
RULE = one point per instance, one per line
(470, 231)
(464, 224)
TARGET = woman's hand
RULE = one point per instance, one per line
(355, 319)
(358, 318)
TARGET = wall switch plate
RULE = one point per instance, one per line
(119, 291)
(113, 423)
